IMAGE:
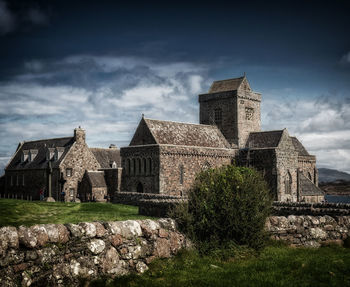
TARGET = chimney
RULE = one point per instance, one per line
(79, 135)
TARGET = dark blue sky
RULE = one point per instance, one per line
(100, 64)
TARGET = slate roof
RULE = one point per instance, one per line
(41, 146)
(96, 178)
(299, 147)
(266, 139)
(106, 156)
(308, 187)
(225, 85)
(175, 133)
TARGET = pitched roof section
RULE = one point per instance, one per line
(175, 133)
(96, 178)
(299, 147)
(226, 85)
(308, 187)
(269, 139)
(106, 156)
(41, 146)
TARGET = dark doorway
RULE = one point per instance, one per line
(139, 188)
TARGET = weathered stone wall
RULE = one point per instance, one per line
(79, 158)
(309, 230)
(179, 166)
(140, 168)
(286, 167)
(307, 165)
(58, 255)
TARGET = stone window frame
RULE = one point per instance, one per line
(218, 116)
(288, 181)
(144, 166)
(150, 167)
(182, 174)
(71, 192)
(249, 113)
(69, 172)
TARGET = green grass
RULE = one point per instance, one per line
(20, 212)
(274, 266)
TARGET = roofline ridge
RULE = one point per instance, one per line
(266, 131)
(181, 122)
(47, 139)
(242, 77)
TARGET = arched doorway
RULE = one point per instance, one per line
(139, 188)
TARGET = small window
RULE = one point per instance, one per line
(181, 174)
(17, 179)
(288, 183)
(11, 180)
(249, 112)
(309, 176)
(139, 165)
(133, 166)
(128, 167)
(23, 180)
(218, 116)
(71, 192)
(68, 172)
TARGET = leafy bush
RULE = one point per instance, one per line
(226, 204)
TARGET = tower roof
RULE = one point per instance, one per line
(226, 85)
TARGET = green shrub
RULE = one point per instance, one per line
(226, 204)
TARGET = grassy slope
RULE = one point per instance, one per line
(20, 212)
(275, 266)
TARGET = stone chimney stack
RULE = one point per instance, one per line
(79, 135)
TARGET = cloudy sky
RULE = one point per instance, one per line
(102, 64)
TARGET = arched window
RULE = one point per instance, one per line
(288, 183)
(133, 166)
(128, 166)
(218, 116)
(139, 166)
(144, 166)
(181, 174)
(150, 171)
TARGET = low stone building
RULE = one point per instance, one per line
(49, 166)
(164, 157)
(93, 187)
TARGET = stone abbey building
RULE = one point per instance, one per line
(164, 157)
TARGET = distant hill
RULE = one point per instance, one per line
(331, 175)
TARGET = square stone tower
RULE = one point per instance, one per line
(233, 107)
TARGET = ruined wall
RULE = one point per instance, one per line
(179, 166)
(140, 168)
(113, 177)
(58, 255)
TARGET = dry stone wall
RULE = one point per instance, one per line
(60, 255)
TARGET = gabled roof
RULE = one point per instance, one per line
(175, 133)
(268, 139)
(299, 147)
(308, 187)
(226, 85)
(106, 156)
(41, 146)
(96, 178)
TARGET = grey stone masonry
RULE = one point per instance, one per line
(60, 255)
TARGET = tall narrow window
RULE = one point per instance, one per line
(133, 166)
(23, 180)
(309, 176)
(68, 172)
(139, 165)
(218, 116)
(17, 180)
(127, 168)
(144, 164)
(181, 174)
(288, 183)
(150, 171)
